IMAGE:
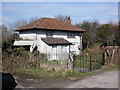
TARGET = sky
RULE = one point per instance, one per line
(60, 0)
(78, 11)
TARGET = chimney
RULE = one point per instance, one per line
(69, 21)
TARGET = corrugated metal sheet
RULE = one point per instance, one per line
(55, 41)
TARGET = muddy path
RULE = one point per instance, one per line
(24, 82)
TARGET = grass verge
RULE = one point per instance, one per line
(42, 73)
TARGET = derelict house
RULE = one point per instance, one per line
(53, 37)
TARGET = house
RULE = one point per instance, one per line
(53, 37)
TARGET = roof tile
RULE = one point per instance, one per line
(49, 23)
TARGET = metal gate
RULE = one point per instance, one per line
(87, 63)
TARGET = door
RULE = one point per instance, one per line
(54, 52)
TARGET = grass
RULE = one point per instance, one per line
(55, 62)
(42, 73)
(107, 68)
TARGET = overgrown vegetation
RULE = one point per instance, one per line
(43, 73)
(39, 56)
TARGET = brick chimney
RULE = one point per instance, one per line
(69, 21)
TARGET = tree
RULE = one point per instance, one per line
(7, 39)
(104, 32)
(113, 34)
(17, 24)
(101, 33)
(8, 35)
(5, 33)
(90, 36)
(62, 17)
(118, 35)
(33, 19)
(108, 33)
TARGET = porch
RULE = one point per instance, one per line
(27, 44)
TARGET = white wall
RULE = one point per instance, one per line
(32, 34)
(27, 35)
(43, 47)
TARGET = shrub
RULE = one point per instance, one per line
(39, 56)
(20, 52)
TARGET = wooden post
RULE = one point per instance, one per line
(90, 62)
(103, 58)
(80, 62)
(73, 64)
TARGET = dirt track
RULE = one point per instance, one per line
(104, 80)
(107, 79)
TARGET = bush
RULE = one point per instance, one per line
(40, 56)
(21, 52)
(7, 44)
(36, 53)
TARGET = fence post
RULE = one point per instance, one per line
(90, 62)
(80, 63)
(83, 63)
(73, 62)
(103, 58)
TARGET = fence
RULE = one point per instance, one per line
(83, 63)
(87, 63)
(51, 56)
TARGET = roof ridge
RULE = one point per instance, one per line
(52, 18)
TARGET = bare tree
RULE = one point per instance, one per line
(62, 17)
(19, 23)
(33, 19)
(5, 34)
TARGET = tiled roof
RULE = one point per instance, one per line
(55, 41)
(49, 23)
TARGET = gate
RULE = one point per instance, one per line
(87, 63)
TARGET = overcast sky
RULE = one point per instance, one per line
(78, 11)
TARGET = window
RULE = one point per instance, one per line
(71, 35)
(49, 34)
